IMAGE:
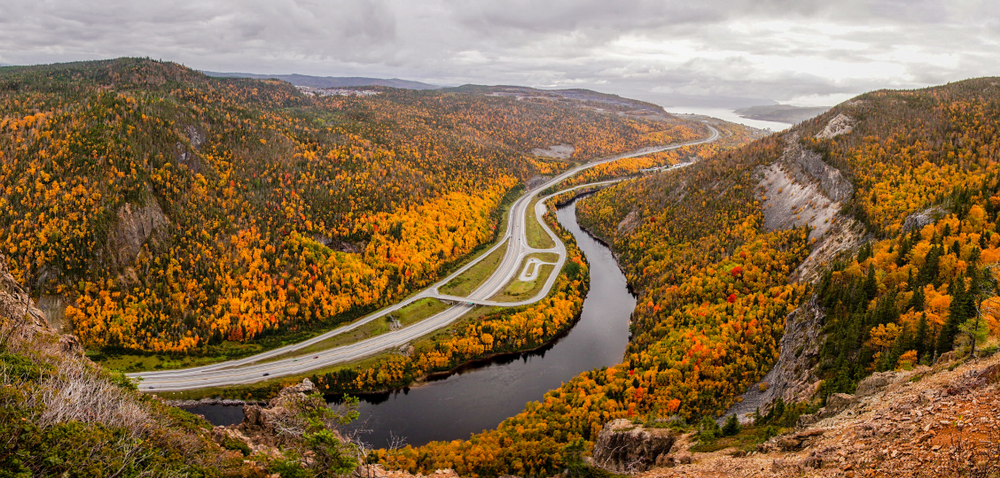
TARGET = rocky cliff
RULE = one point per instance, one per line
(797, 190)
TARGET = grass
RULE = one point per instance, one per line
(465, 283)
(537, 237)
(265, 388)
(747, 439)
(126, 362)
(410, 314)
(517, 289)
(544, 257)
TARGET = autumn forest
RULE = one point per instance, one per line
(176, 211)
(174, 214)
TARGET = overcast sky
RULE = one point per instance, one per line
(671, 52)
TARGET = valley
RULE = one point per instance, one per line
(515, 239)
(798, 303)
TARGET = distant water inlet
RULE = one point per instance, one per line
(481, 395)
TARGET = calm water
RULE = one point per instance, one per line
(482, 395)
(729, 115)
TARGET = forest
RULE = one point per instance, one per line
(175, 212)
(714, 285)
(495, 331)
(717, 313)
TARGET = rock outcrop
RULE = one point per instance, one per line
(920, 219)
(840, 124)
(623, 447)
(800, 189)
(277, 422)
(808, 166)
(135, 226)
(792, 378)
(15, 302)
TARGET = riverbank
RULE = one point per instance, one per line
(479, 394)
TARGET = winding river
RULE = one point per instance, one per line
(481, 395)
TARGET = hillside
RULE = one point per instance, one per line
(151, 208)
(63, 415)
(828, 293)
(868, 233)
(897, 190)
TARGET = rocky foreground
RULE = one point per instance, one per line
(928, 422)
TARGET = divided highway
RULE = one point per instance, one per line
(256, 368)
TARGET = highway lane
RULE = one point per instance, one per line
(257, 368)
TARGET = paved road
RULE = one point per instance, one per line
(257, 368)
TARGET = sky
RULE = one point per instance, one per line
(695, 52)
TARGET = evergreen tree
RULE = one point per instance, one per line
(957, 315)
(870, 287)
(921, 337)
(917, 301)
(929, 272)
(904, 249)
(731, 427)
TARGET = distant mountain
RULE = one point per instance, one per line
(332, 81)
(607, 100)
(782, 113)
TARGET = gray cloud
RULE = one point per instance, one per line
(665, 51)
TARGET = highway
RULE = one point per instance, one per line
(257, 368)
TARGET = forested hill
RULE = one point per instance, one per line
(165, 210)
(884, 209)
(920, 169)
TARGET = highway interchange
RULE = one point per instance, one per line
(259, 367)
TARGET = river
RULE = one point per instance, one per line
(481, 395)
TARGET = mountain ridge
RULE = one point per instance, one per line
(329, 81)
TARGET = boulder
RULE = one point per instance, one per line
(875, 383)
(839, 401)
(945, 358)
(278, 422)
(808, 419)
(623, 447)
(306, 388)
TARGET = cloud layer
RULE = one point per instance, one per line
(670, 52)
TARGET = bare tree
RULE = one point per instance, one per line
(985, 290)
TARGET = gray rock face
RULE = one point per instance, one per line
(792, 377)
(623, 447)
(920, 219)
(808, 166)
(136, 225)
(628, 225)
(841, 124)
